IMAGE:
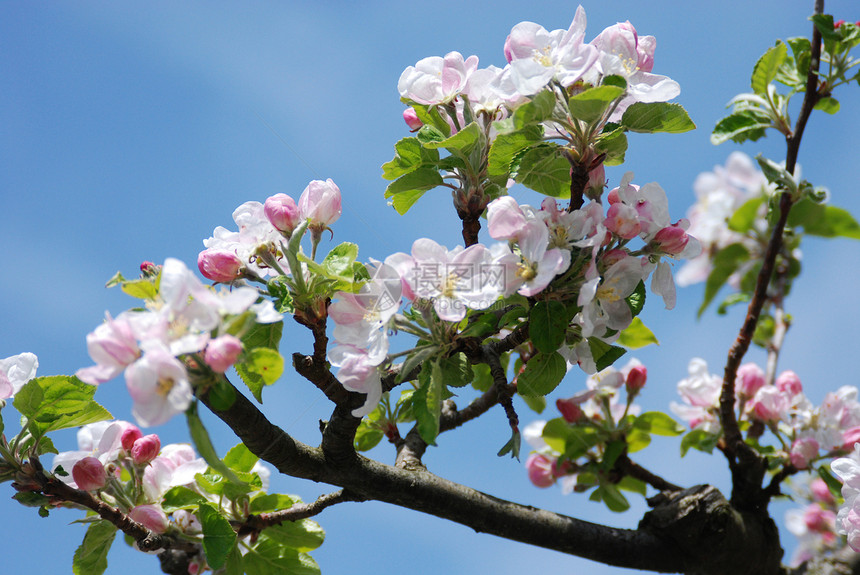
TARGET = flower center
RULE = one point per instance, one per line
(526, 271)
(164, 385)
(542, 56)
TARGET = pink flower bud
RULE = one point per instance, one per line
(819, 520)
(769, 404)
(222, 352)
(148, 268)
(789, 383)
(145, 449)
(623, 221)
(89, 474)
(281, 210)
(750, 379)
(540, 470)
(803, 451)
(838, 24)
(820, 491)
(221, 266)
(320, 203)
(570, 410)
(151, 517)
(636, 378)
(411, 119)
(671, 240)
(129, 436)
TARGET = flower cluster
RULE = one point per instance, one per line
(184, 318)
(815, 524)
(536, 60)
(807, 432)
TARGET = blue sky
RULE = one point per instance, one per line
(129, 131)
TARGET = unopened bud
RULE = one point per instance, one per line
(636, 378)
(750, 379)
(145, 449)
(151, 517)
(129, 436)
(671, 240)
(789, 383)
(570, 410)
(411, 119)
(222, 352)
(283, 213)
(89, 474)
(222, 266)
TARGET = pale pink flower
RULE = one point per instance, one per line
(540, 470)
(803, 451)
(436, 80)
(412, 120)
(770, 404)
(158, 384)
(749, 380)
(320, 203)
(113, 346)
(150, 516)
(789, 383)
(539, 264)
(358, 372)
(282, 212)
(15, 371)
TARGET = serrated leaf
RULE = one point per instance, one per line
(240, 458)
(268, 557)
(767, 66)
(58, 402)
(405, 200)
(456, 370)
(543, 373)
(506, 146)
(741, 125)
(829, 105)
(218, 535)
(367, 436)
(548, 325)
(429, 134)
(409, 155)
(260, 367)
(636, 300)
(302, 535)
(180, 497)
(535, 111)
(543, 169)
(613, 143)
(603, 353)
(415, 359)
(590, 105)
(264, 335)
(463, 141)
(91, 557)
(338, 262)
(699, 439)
(655, 117)
(637, 335)
(427, 402)
(421, 179)
(267, 502)
(141, 288)
(658, 423)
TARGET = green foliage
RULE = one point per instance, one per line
(180, 497)
(766, 68)
(260, 367)
(535, 111)
(544, 169)
(218, 535)
(302, 535)
(91, 557)
(699, 439)
(658, 423)
(655, 117)
(58, 402)
(268, 557)
(543, 373)
(742, 125)
(507, 146)
(603, 353)
(636, 335)
(590, 105)
(548, 325)
(726, 262)
(427, 401)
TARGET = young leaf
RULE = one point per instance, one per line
(726, 262)
(427, 402)
(741, 125)
(218, 535)
(657, 117)
(409, 155)
(302, 535)
(548, 325)
(658, 423)
(590, 105)
(604, 354)
(508, 145)
(58, 402)
(91, 557)
(463, 141)
(543, 373)
(767, 66)
(637, 335)
(544, 170)
(405, 200)
(745, 216)
(421, 179)
(535, 111)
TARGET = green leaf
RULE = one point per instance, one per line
(405, 200)
(657, 117)
(338, 262)
(835, 486)
(419, 180)
(543, 169)
(543, 373)
(745, 216)
(699, 439)
(218, 535)
(829, 105)
(548, 325)
(268, 557)
(409, 155)
(633, 485)
(240, 458)
(766, 68)
(658, 423)
(204, 446)
(367, 436)
(427, 402)
(741, 125)
(260, 367)
(302, 535)
(91, 557)
(536, 403)
(637, 440)
(264, 335)
(180, 497)
(636, 300)
(463, 141)
(456, 370)
(612, 497)
(636, 335)
(535, 111)
(267, 502)
(591, 105)
(613, 143)
(726, 262)
(507, 146)
(142, 289)
(58, 402)
(615, 80)
(604, 354)
(234, 565)
(823, 220)
(31, 499)
(429, 134)
(416, 359)
(512, 446)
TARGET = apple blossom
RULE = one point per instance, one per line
(412, 120)
(150, 516)
(219, 265)
(222, 352)
(540, 470)
(436, 80)
(357, 373)
(320, 203)
(15, 371)
(282, 212)
(750, 379)
(803, 451)
(158, 384)
(131, 434)
(145, 449)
